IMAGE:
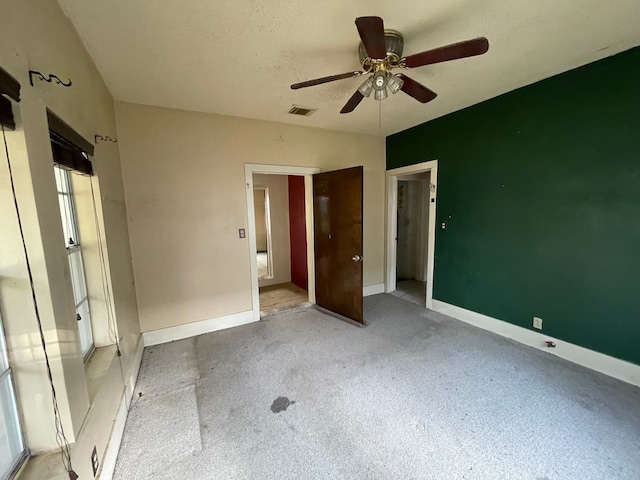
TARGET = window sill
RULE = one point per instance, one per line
(96, 368)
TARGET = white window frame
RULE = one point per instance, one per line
(63, 178)
(6, 375)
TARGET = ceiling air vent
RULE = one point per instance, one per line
(298, 110)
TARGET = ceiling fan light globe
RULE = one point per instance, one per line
(380, 94)
(395, 83)
(366, 88)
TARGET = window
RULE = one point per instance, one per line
(74, 253)
(12, 451)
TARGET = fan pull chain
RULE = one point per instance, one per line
(380, 114)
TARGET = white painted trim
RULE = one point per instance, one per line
(306, 172)
(311, 262)
(373, 289)
(280, 169)
(425, 200)
(614, 367)
(113, 446)
(392, 227)
(117, 431)
(251, 231)
(133, 373)
(164, 335)
(391, 233)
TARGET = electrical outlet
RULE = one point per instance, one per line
(537, 323)
(94, 461)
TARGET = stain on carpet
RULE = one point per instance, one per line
(280, 404)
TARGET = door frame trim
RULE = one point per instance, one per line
(392, 224)
(306, 172)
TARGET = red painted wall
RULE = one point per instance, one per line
(297, 232)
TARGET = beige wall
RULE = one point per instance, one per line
(185, 188)
(278, 186)
(36, 35)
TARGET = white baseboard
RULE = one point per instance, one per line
(113, 446)
(164, 335)
(373, 289)
(115, 439)
(156, 337)
(133, 374)
(614, 367)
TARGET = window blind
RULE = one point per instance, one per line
(9, 87)
(6, 114)
(70, 149)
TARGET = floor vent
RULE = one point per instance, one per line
(298, 110)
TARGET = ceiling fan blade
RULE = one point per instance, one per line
(371, 30)
(417, 90)
(353, 102)
(468, 48)
(331, 78)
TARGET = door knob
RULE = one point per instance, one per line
(356, 258)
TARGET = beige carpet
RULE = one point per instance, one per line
(414, 395)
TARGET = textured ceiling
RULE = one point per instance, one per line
(238, 57)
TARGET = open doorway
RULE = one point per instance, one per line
(281, 242)
(412, 220)
(280, 237)
(411, 203)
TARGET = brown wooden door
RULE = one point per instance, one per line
(337, 213)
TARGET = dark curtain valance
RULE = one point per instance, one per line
(70, 149)
(10, 87)
(61, 129)
(69, 157)
(6, 114)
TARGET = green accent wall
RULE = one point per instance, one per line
(540, 191)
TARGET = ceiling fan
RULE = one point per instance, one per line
(380, 51)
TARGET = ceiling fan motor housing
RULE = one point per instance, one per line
(394, 46)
